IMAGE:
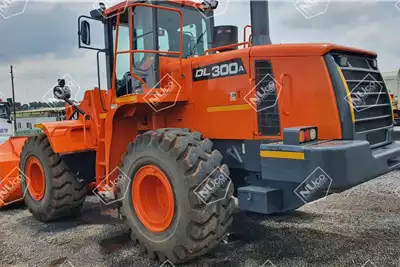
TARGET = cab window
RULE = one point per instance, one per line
(123, 61)
(196, 32)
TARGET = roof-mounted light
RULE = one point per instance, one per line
(209, 4)
(102, 6)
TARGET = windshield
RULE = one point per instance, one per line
(196, 35)
(196, 40)
(196, 31)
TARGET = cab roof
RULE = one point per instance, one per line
(124, 4)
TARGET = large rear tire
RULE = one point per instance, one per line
(52, 192)
(173, 223)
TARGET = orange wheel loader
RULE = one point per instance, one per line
(193, 117)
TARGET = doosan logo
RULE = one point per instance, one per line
(219, 70)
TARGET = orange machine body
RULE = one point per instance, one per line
(307, 97)
(215, 107)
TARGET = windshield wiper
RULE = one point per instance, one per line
(197, 42)
(143, 35)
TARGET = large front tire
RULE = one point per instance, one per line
(51, 189)
(181, 160)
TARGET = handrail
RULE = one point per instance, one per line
(286, 110)
(226, 46)
(84, 130)
(245, 32)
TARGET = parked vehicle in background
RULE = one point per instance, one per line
(392, 81)
(5, 121)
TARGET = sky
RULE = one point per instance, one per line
(41, 42)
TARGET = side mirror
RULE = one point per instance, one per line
(85, 32)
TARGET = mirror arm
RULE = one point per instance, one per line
(75, 106)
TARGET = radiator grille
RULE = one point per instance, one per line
(369, 95)
(268, 112)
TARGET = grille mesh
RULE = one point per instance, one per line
(268, 112)
(370, 98)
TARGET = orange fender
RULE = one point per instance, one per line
(10, 187)
(69, 136)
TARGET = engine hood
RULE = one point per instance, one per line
(309, 49)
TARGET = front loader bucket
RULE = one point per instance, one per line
(10, 187)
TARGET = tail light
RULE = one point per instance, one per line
(307, 135)
(300, 135)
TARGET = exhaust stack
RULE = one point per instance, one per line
(259, 22)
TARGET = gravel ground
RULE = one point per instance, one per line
(347, 229)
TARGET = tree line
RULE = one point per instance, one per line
(38, 105)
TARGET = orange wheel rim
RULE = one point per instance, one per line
(35, 174)
(153, 198)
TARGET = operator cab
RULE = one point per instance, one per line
(139, 54)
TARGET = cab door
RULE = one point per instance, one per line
(129, 66)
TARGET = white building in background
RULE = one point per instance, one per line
(26, 119)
